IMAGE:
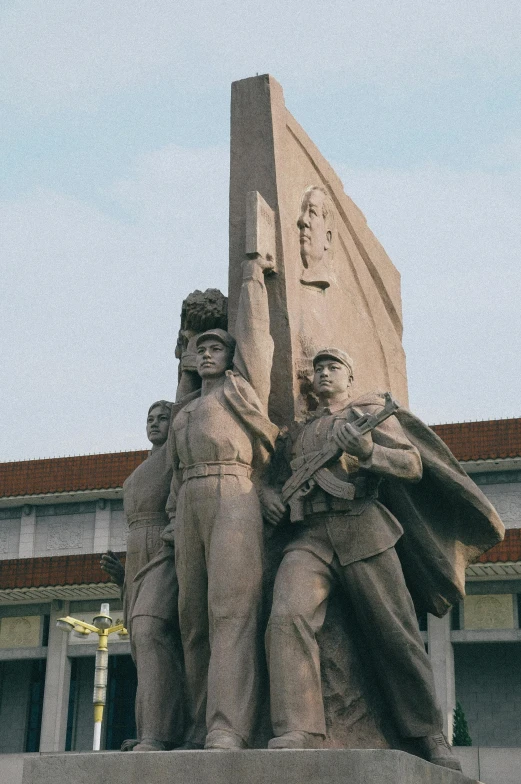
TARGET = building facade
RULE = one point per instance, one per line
(58, 515)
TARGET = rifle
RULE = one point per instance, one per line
(312, 468)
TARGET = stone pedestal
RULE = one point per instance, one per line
(352, 766)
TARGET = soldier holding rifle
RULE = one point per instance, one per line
(345, 535)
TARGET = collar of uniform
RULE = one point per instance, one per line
(329, 410)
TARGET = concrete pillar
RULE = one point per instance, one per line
(27, 532)
(102, 526)
(57, 684)
(441, 654)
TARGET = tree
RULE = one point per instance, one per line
(461, 735)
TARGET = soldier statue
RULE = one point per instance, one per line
(347, 537)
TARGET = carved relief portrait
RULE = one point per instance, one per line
(316, 224)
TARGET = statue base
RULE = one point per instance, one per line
(320, 766)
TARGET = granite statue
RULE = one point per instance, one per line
(219, 442)
(346, 537)
(383, 520)
(150, 596)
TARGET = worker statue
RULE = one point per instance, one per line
(219, 442)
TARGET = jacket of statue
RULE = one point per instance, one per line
(145, 491)
(241, 401)
(439, 520)
(358, 526)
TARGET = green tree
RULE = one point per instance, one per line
(461, 735)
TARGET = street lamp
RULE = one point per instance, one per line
(102, 626)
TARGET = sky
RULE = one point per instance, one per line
(114, 152)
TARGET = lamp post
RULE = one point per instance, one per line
(102, 626)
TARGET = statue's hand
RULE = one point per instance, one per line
(272, 507)
(167, 534)
(349, 440)
(265, 265)
(111, 564)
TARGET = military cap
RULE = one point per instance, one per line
(334, 353)
(219, 334)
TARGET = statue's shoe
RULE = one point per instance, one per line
(296, 740)
(129, 744)
(150, 744)
(222, 740)
(437, 750)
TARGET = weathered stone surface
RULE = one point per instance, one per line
(355, 303)
(246, 767)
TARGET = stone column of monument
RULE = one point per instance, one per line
(345, 292)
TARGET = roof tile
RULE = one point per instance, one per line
(507, 550)
(57, 570)
(68, 474)
(494, 438)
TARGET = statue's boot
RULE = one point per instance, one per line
(129, 744)
(224, 740)
(150, 744)
(296, 740)
(436, 749)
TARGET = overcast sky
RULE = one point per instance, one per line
(114, 137)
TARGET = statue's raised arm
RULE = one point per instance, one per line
(254, 345)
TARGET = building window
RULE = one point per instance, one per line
(71, 715)
(455, 620)
(121, 697)
(35, 707)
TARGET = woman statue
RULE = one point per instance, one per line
(149, 603)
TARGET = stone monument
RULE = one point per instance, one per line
(335, 286)
(383, 520)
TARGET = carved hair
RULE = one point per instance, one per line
(164, 404)
(328, 210)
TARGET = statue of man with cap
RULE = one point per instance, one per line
(348, 539)
(219, 442)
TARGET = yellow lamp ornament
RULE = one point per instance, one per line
(102, 626)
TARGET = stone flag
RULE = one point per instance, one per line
(335, 285)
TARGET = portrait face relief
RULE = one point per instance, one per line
(315, 225)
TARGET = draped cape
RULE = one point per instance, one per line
(448, 522)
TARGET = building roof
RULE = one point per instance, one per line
(68, 474)
(85, 569)
(493, 438)
(508, 550)
(56, 570)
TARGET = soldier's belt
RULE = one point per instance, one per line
(216, 469)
